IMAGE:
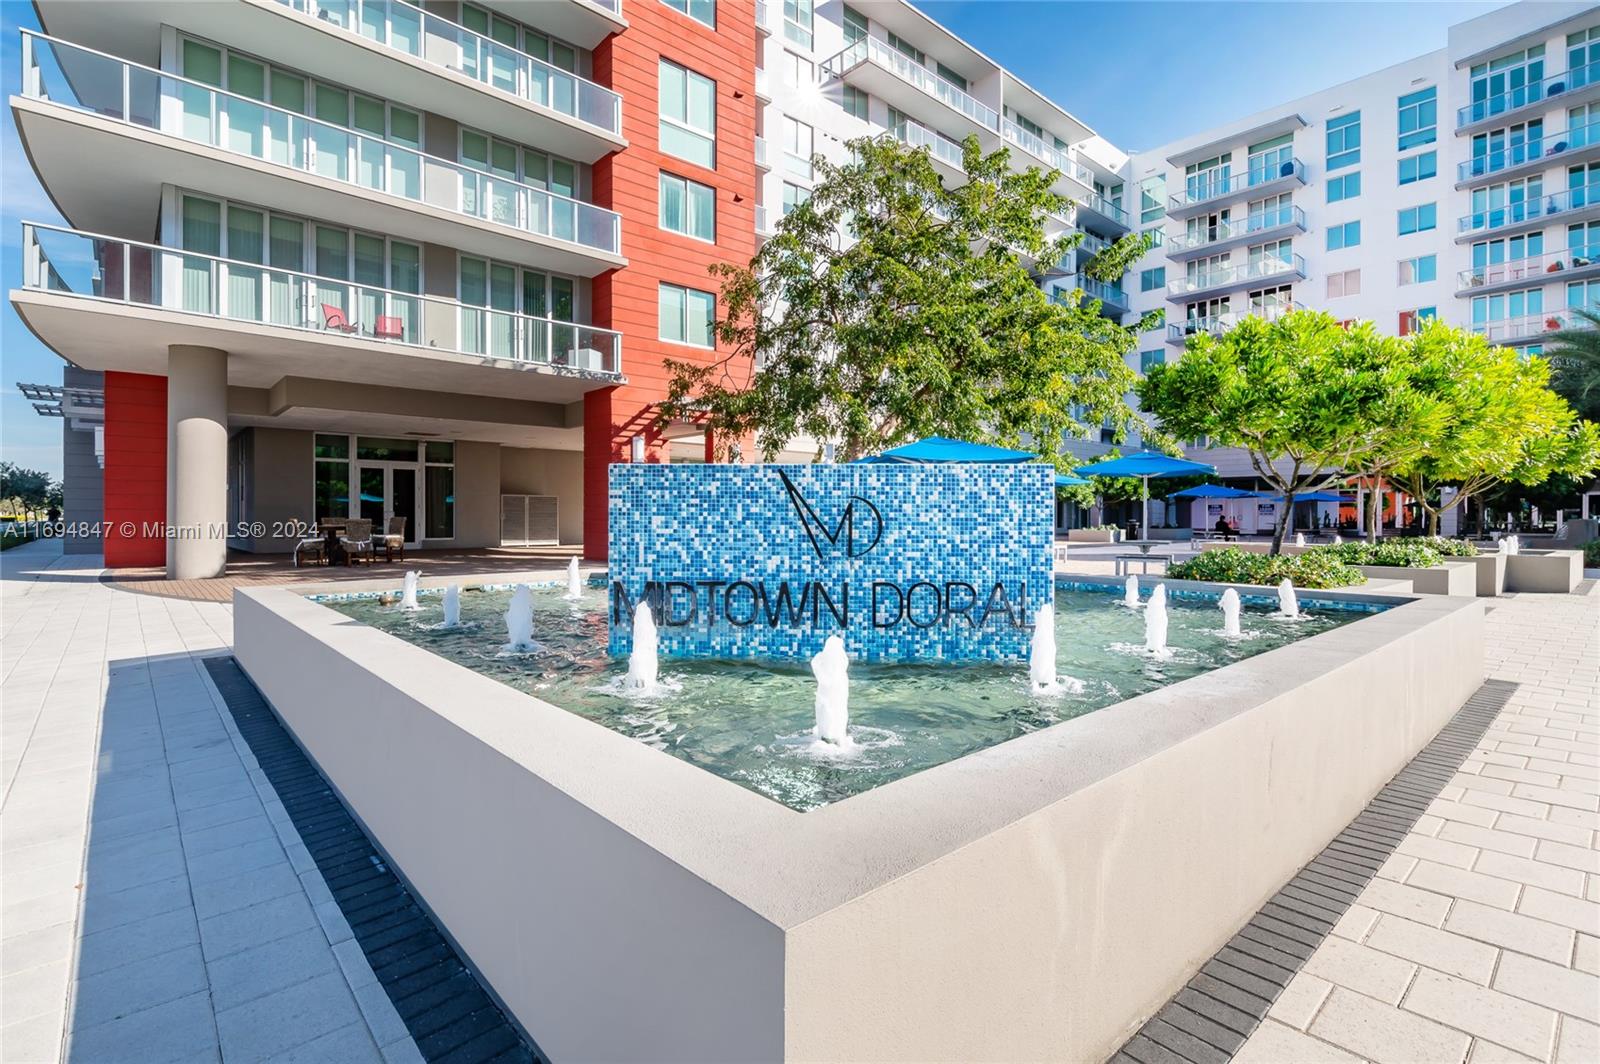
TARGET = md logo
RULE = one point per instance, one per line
(858, 529)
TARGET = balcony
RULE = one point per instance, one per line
(764, 21)
(1048, 154)
(1567, 264)
(762, 158)
(949, 157)
(909, 86)
(1266, 272)
(584, 23)
(1525, 215)
(1551, 149)
(1254, 228)
(1178, 332)
(1567, 89)
(1114, 302)
(763, 85)
(119, 304)
(1202, 194)
(764, 222)
(80, 105)
(1528, 329)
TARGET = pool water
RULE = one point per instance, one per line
(751, 722)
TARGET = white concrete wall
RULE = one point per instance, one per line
(538, 471)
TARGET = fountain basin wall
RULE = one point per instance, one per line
(1491, 573)
(1548, 571)
(1449, 577)
(1034, 900)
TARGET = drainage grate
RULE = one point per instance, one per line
(1228, 997)
(449, 1014)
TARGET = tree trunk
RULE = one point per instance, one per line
(1374, 514)
(1283, 522)
(1433, 520)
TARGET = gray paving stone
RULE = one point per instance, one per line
(241, 891)
(117, 992)
(257, 925)
(281, 1021)
(260, 970)
(136, 941)
(176, 1030)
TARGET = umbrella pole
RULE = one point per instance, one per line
(1144, 529)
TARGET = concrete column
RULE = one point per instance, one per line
(197, 462)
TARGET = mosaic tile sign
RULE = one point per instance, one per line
(941, 562)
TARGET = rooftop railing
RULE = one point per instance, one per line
(1217, 324)
(1525, 95)
(409, 29)
(871, 49)
(1203, 189)
(1254, 222)
(112, 88)
(56, 259)
(1533, 269)
(1266, 269)
(1502, 217)
(1546, 147)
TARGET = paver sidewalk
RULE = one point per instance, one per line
(157, 904)
(1480, 939)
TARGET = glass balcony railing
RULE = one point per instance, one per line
(140, 96)
(1251, 224)
(1535, 269)
(920, 136)
(761, 154)
(1048, 154)
(1264, 270)
(1108, 294)
(1216, 324)
(871, 49)
(1523, 329)
(1547, 147)
(1204, 189)
(764, 16)
(764, 224)
(1526, 95)
(406, 28)
(1493, 218)
(56, 259)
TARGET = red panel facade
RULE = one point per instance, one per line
(628, 182)
(135, 470)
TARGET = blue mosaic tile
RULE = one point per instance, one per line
(907, 562)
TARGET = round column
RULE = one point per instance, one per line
(197, 461)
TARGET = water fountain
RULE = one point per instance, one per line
(1288, 605)
(1042, 656)
(408, 592)
(1337, 539)
(643, 665)
(519, 620)
(1130, 593)
(831, 668)
(1230, 613)
(452, 607)
(1155, 623)
(1299, 539)
(574, 581)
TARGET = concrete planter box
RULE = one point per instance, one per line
(1451, 577)
(1174, 535)
(1033, 901)
(1491, 573)
(1093, 535)
(1550, 572)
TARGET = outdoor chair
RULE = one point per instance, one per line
(333, 318)
(357, 541)
(389, 329)
(394, 540)
(313, 548)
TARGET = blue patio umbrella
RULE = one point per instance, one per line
(1065, 481)
(1212, 491)
(1312, 496)
(1144, 465)
(941, 449)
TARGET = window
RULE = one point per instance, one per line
(855, 25)
(687, 315)
(1151, 358)
(1583, 295)
(1583, 242)
(1343, 187)
(797, 147)
(1344, 140)
(1347, 283)
(1420, 270)
(855, 101)
(1270, 159)
(688, 207)
(907, 49)
(1151, 279)
(799, 70)
(1347, 235)
(1208, 177)
(1419, 167)
(1419, 219)
(1583, 56)
(1152, 199)
(1157, 237)
(700, 10)
(688, 127)
(793, 196)
(1508, 82)
(1411, 320)
(797, 21)
(331, 494)
(1419, 118)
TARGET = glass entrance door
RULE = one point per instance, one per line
(388, 490)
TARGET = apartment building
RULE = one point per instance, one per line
(368, 259)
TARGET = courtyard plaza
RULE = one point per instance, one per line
(159, 905)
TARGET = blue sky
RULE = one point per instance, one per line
(1139, 73)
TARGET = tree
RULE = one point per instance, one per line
(1307, 400)
(1503, 424)
(888, 307)
(24, 489)
(1574, 357)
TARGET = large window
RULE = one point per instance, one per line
(1411, 320)
(439, 491)
(1152, 199)
(855, 25)
(688, 207)
(1344, 283)
(1151, 279)
(1151, 358)
(1344, 140)
(1347, 235)
(1270, 159)
(688, 125)
(855, 101)
(1583, 56)
(331, 476)
(793, 196)
(1506, 83)
(797, 21)
(1418, 167)
(1344, 186)
(798, 143)
(1420, 270)
(700, 10)
(1419, 118)
(497, 296)
(687, 315)
(1419, 219)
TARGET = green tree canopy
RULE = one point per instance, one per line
(1574, 357)
(24, 489)
(889, 307)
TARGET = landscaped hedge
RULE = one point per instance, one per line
(1406, 553)
(1230, 565)
(1591, 554)
(1451, 548)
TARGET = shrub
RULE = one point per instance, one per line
(1451, 548)
(1591, 554)
(1407, 553)
(1231, 565)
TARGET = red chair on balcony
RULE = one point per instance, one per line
(389, 329)
(333, 318)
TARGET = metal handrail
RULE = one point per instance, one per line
(908, 69)
(1216, 324)
(1541, 206)
(1203, 191)
(1525, 95)
(1265, 269)
(1532, 269)
(1545, 147)
(1255, 222)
